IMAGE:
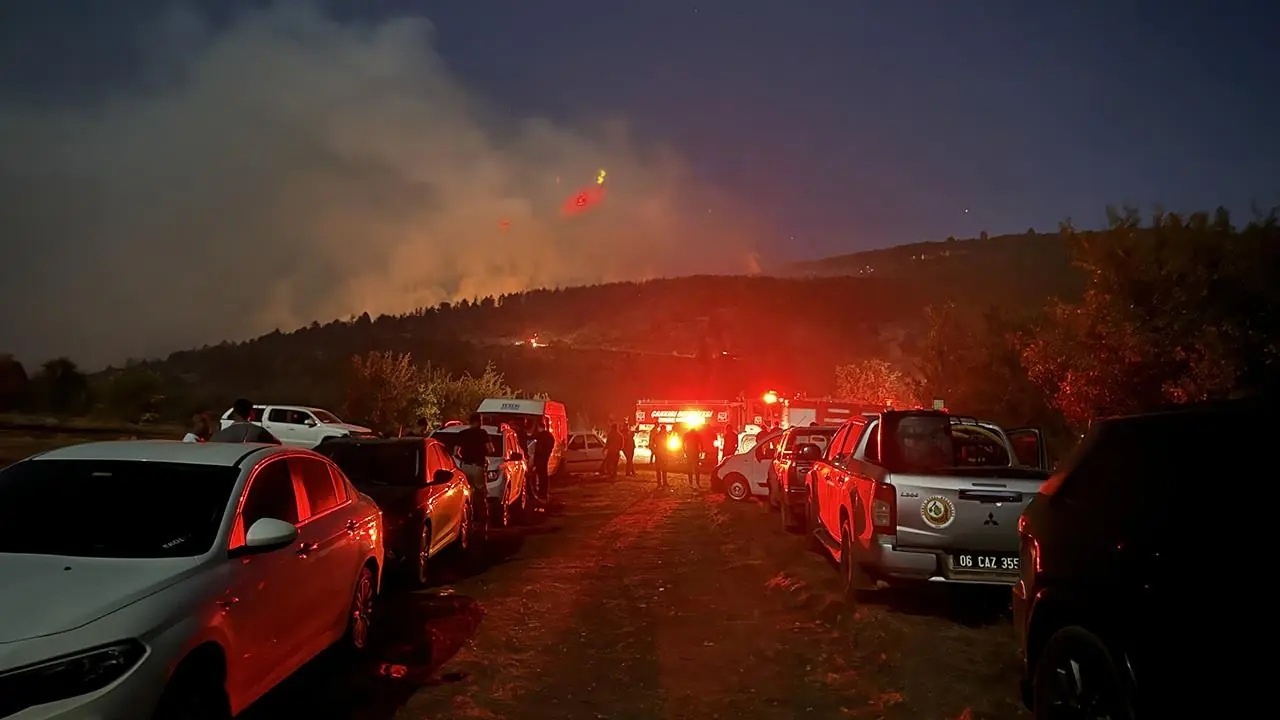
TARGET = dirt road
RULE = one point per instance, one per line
(626, 602)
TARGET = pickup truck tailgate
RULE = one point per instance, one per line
(972, 509)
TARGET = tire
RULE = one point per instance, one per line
(420, 570)
(789, 523)
(736, 487)
(851, 577)
(360, 616)
(1096, 682)
(193, 695)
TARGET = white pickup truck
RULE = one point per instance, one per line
(300, 425)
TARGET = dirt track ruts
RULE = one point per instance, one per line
(626, 602)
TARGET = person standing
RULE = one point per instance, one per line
(693, 455)
(241, 429)
(612, 451)
(730, 443)
(629, 449)
(201, 429)
(473, 460)
(661, 454)
(543, 445)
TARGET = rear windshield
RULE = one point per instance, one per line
(378, 464)
(515, 420)
(931, 443)
(450, 441)
(113, 508)
(812, 436)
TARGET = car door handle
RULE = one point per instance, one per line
(306, 549)
(352, 526)
(227, 603)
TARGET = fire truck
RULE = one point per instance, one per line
(792, 412)
(713, 417)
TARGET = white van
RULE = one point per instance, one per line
(747, 473)
(496, 411)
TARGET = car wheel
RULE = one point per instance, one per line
(788, 518)
(1077, 676)
(850, 573)
(422, 560)
(735, 486)
(193, 695)
(360, 619)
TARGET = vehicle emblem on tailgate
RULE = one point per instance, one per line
(991, 520)
(937, 511)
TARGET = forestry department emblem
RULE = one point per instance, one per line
(937, 511)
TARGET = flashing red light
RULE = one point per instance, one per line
(582, 201)
(770, 397)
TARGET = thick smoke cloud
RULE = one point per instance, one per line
(290, 168)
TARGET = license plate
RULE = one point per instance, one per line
(986, 562)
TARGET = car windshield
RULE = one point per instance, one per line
(326, 417)
(112, 508)
(391, 463)
(931, 443)
(450, 441)
(811, 436)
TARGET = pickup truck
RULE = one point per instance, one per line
(299, 425)
(923, 495)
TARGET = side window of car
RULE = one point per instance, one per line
(593, 443)
(317, 484)
(871, 453)
(578, 443)
(438, 459)
(341, 482)
(270, 495)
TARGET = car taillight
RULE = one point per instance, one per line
(884, 509)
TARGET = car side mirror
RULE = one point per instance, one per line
(267, 535)
(516, 457)
(309, 422)
(441, 477)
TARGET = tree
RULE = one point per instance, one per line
(61, 388)
(15, 386)
(382, 389)
(983, 235)
(135, 393)
(875, 382)
(442, 397)
(1180, 310)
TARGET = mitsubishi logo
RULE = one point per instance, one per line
(991, 520)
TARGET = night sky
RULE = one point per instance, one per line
(831, 125)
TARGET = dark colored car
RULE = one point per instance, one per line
(797, 451)
(1105, 541)
(425, 498)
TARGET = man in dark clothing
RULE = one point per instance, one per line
(629, 449)
(241, 430)
(693, 454)
(661, 454)
(543, 445)
(730, 443)
(612, 451)
(473, 459)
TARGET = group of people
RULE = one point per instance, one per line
(240, 430)
(686, 452)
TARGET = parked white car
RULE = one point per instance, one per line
(505, 478)
(300, 425)
(161, 579)
(746, 474)
(584, 453)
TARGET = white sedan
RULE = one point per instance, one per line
(169, 580)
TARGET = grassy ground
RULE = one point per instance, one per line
(22, 436)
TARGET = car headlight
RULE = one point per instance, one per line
(67, 676)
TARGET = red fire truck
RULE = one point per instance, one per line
(714, 417)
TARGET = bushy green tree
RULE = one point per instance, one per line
(61, 388)
(443, 397)
(875, 382)
(135, 393)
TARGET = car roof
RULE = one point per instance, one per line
(492, 429)
(173, 451)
